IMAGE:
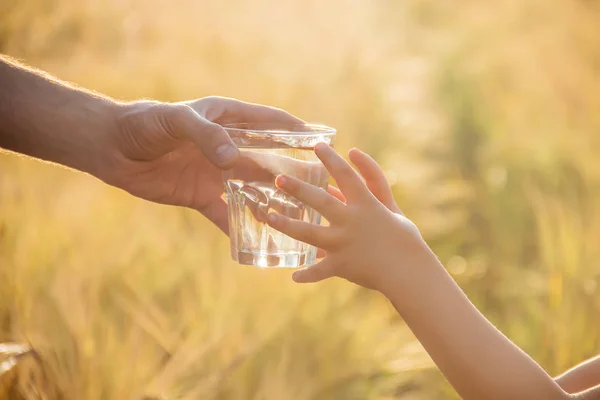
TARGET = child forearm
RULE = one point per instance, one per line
(370, 242)
(477, 359)
(581, 377)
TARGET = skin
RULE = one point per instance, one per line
(170, 153)
(173, 153)
(581, 377)
(371, 243)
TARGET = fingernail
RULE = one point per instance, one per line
(271, 218)
(296, 275)
(282, 180)
(226, 153)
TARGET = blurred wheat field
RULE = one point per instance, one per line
(485, 117)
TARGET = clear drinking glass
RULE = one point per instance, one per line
(267, 150)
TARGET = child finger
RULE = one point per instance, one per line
(346, 177)
(316, 235)
(374, 178)
(315, 273)
(327, 205)
(337, 193)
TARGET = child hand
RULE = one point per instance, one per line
(369, 240)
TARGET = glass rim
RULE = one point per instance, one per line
(278, 128)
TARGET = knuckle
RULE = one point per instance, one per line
(304, 233)
(209, 99)
(328, 202)
(353, 213)
(165, 110)
(319, 202)
(337, 239)
(169, 115)
(181, 110)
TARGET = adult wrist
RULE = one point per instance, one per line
(95, 152)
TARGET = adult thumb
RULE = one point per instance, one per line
(213, 140)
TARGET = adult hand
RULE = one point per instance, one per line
(173, 153)
(170, 153)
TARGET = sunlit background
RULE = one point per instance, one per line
(485, 116)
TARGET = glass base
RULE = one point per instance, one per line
(289, 260)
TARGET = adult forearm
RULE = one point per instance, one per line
(476, 358)
(51, 120)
